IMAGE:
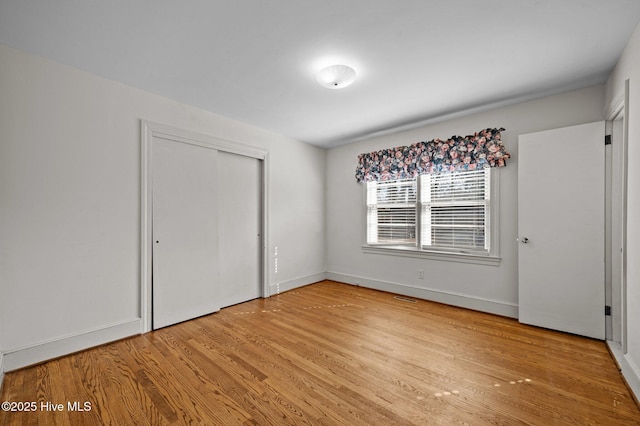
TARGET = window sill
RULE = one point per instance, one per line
(476, 259)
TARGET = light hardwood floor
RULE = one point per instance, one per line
(333, 354)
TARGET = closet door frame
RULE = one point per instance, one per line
(149, 130)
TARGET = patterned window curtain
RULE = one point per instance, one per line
(480, 150)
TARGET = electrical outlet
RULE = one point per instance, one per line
(421, 274)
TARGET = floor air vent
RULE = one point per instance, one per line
(405, 299)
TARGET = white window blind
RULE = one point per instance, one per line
(455, 210)
(451, 210)
(391, 212)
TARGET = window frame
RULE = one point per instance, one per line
(491, 257)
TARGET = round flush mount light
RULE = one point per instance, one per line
(336, 76)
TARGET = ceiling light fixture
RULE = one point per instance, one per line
(336, 76)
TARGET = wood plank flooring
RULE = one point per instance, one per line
(332, 354)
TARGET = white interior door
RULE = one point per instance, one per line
(561, 229)
(240, 218)
(185, 232)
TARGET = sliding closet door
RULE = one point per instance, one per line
(240, 219)
(185, 232)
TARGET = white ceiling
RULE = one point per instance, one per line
(255, 60)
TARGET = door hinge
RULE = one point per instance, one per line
(607, 310)
(607, 140)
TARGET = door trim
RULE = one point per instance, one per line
(149, 130)
(619, 107)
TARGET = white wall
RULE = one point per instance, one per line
(628, 67)
(489, 288)
(70, 209)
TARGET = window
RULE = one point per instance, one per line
(392, 212)
(444, 212)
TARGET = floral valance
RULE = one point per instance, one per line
(480, 150)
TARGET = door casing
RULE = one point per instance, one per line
(616, 114)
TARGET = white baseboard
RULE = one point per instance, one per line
(459, 300)
(298, 282)
(628, 368)
(34, 354)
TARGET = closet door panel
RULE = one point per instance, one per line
(185, 232)
(240, 219)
